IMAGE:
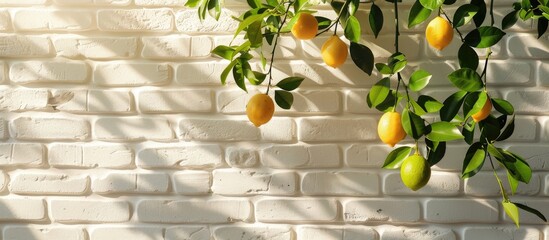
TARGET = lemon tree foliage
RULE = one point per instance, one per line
(469, 114)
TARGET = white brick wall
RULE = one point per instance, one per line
(152, 147)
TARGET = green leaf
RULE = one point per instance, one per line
(429, 104)
(376, 19)
(508, 131)
(509, 20)
(352, 29)
(481, 14)
(323, 22)
(227, 70)
(290, 83)
(284, 99)
(474, 102)
(298, 4)
(468, 57)
(436, 151)
(531, 210)
(417, 108)
(238, 74)
(443, 132)
(464, 14)
(503, 106)
(192, 3)
(413, 124)
(484, 37)
(389, 102)
(474, 160)
(258, 78)
(418, 14)
(254, 35)
(468, 131)
(520, 169)
(222, 51)
(397, 62)
(466, 79)
(489, 128)
(250, 75)
(513, 183)
(242, 48)
(378, 93)
(214, 8)
(419, 79)
(249, 20)
(396, 157)
(362, 57)
(383, 68)
(511, 210)
(254, 3)
(338, 6)
(542, 25)
(452, 104)
(431, 4)
(353, 6)
(526, 4)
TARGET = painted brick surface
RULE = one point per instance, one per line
(148, 145)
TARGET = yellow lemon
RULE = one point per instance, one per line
(439, 33)
(260, 109)
(389, 128)
(305, 27)
(334, 51)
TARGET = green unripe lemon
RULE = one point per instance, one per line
(415, 172)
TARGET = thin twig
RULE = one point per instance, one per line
(270, 72)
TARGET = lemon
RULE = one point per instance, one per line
(260, 109)
(439, 33)
(484, 112)
(415, 172)
(389, 128)
(305, 27)
(334, 51)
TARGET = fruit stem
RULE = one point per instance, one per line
(336, 21)
(270, 73)
(397, 32)
(450, 21)
(416, 148)
(483, 75)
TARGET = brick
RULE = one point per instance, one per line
(3, 180)
(116, 74)
(526, 129)
(287, 47)
(527, 101)
(318, 74)
(347, 183)
(170, 3)
(22, 2)
(233, 101)
(279, 129)
(526, 217)
(4, 130)
(381, 210)
(462, 210)
(187, 232)
(252, 182)
(49, 72)
(485, 184)
(193, 211)
(5, 20)
(53, 20)
(366, 155)
(440, 71)
(21, 154)
(329, 129)
(176, 47)
(335, 233)
(90, 155)
(93, 2)
(501, 72)
(453, 159)
(201, 73)
(48, 184)
(43, 233)
(95, 47)
(23, 99)
(186, 21)
(238, 157)
(175, 101)
(327, 102)
(534, 154)
(300, 156)
(89, 211)
(133, 129)
(253, 232)
(123, 182)
(528, 46)
(22, 209)
(435, 233)
(136, 233)
(495, 233)
(355, 102)
(48, 128)
(181, 156)
(440, 184)
(296, 210)
(217, 130)
(97, 101)
(192, 182)
(542, 71)
(158, 20)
